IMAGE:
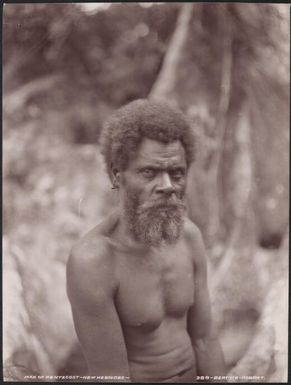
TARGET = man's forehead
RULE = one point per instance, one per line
(157, 152)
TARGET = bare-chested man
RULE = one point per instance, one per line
(137, 282)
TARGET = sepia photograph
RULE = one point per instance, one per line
(145, 192)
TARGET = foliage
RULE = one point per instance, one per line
(112, 64)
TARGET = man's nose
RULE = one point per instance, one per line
(165, 184)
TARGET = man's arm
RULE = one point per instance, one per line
(209, 356)
(90, 287)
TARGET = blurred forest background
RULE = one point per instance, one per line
(64, 70)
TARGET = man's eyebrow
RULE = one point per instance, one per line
(148, 166)
(157, 167)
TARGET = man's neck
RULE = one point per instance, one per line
(126, 238)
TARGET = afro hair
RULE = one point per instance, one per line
(156, 120)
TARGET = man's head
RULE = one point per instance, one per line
(148, 147)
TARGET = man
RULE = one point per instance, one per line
(137, 282)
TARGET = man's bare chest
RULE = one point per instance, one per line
(152, 289)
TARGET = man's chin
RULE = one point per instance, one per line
(155, 232)
(155, 223)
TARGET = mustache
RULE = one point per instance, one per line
(163, 204)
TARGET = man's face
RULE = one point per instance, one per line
(153, 188)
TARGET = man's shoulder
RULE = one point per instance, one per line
(91, 259)
(94, 246)
(89, 251)
(192, 231)
(195, 241)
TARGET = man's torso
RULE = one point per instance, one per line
(155, 289)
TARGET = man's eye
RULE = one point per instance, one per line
(148, 173)
(177, 174)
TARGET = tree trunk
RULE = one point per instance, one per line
(165, 83)
(220, 127)
(235, 304)
(267, 354)
(241, 194)
(16, 100)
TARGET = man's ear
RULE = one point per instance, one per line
(115, 176)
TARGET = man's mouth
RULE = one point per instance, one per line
(163, 204)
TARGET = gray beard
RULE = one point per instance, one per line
(154, 223)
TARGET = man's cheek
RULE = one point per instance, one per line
(183, 187)
(180, 191)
